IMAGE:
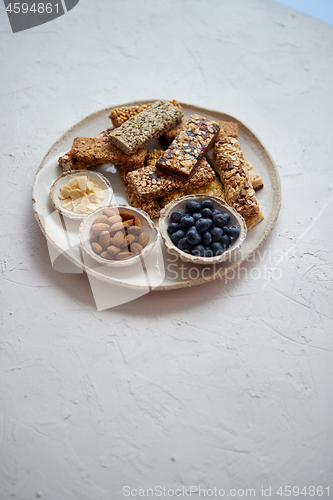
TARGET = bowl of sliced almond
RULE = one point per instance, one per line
(78, 193)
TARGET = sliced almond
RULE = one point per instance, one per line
(73, 182)
(82, 184)
(75, 193)
(65, 190)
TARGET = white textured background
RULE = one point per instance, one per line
(224, 385)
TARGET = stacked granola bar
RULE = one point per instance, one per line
(152, 178)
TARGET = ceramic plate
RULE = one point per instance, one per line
(160, 270)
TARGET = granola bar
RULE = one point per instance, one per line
(99, 150)
(152, 156)
(237, 185)
(227, 129)
(230, 130)
(151, 207)
(118, 116)
(149, 183)
(68, 163)
(183, 154)
(213, 188)
(171, 134)
(147, 125)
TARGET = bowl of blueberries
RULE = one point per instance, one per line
(201, 229)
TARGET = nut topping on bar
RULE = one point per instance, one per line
(183, 154)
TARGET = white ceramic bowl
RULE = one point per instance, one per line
(147, 226)
(97, 178)
(180, 204)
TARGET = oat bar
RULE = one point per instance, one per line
(229, 129)
(89, 152)
(100, 150)
(149, 183)
(151, 207)
(147, 125)
(152, 156)
(68, 163)
(183, 154)
(171, 134)
(237, 185)
(213, 188)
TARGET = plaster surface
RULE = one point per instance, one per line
(225, 385)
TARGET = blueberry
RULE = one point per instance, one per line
(175, 237)
(184, 245)
(203, 225)
(187, 221)
(193, 237)
(216, 233)
(232, 231)
(225, 241)
(207, 204)
(193, 206)
(208, 252)
(206, 238)
(207, 213)
(225, 218)
(173, 227)
(197, 216)
(217, 248)
(221, 220)
(216, 211)
(198, 251)
(176, 216)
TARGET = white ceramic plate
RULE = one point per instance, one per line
(160, 270)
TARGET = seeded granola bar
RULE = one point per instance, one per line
(238, 189)
(118, 116)
(182, 156)
(149, 183)
(147, 125)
